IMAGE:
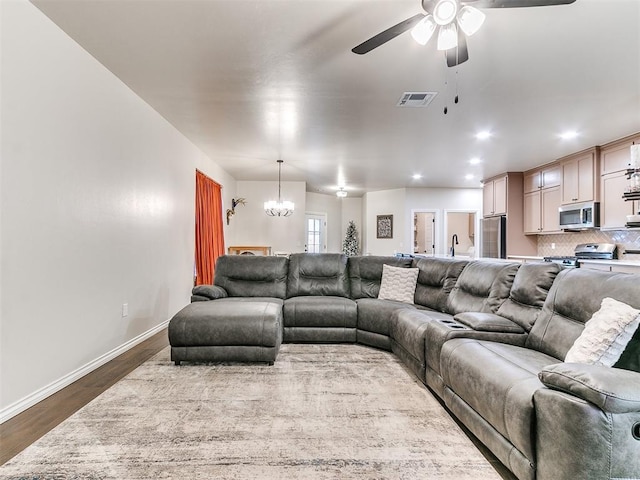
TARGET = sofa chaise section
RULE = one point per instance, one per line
(226, 332)
(238, 319)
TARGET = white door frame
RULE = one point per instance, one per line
(436, 217)
(476, 224)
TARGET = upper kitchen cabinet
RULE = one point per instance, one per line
(579, 176)
(615, 158)
(494, 196)
(544, 177)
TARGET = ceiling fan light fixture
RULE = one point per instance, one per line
(448, 37)
(423, 31)
(470, 20)
(445, 11)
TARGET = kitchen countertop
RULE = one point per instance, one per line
(622, 262)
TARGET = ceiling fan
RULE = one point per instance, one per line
(454, 20)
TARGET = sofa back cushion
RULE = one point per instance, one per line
(252, 276)
(529, 292)
(365, 273)
(318, 274)
(436, 279)
(483, 286)
(574, 297)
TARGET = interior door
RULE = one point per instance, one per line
(424, 235)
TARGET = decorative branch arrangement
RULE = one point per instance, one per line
(234, 203)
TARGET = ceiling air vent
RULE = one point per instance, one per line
(416, 99)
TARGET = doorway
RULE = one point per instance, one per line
(463, 225)
(315, 232)
(424, 232)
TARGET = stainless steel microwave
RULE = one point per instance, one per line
(580, 216)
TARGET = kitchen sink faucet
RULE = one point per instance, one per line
(453, 248)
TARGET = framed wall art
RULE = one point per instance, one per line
(384, 226)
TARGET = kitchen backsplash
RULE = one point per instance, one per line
(565, 243)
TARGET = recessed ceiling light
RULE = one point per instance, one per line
(483, 135)
(468, 176)
(568, 135)
(474, 161)
(416, 176)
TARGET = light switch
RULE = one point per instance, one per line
(125, 309)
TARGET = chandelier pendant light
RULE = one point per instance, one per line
(279, 208)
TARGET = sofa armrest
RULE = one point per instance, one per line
(613, 390)
(211, 292)
(488, 322)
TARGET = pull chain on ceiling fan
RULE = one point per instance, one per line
(454, 19)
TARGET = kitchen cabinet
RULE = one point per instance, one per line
(579, 175)
(503, 195)
(541, 211)
(494, 196)
(544, 177)
(615, 158)
(542, 198)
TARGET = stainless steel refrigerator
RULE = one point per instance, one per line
(494, 237)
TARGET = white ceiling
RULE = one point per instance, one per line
(251, 81)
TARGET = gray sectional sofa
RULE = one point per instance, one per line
(489, 338)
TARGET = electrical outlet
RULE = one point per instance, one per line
(553, 246)
(125, 309)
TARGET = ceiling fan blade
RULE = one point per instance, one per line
(388, 34)
(516, 3)
(459, 54)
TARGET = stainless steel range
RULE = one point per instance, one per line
(586, 251)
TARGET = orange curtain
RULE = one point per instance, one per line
(209, 229)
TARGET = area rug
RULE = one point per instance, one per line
(321, 412)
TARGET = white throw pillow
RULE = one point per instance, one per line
(398, 283)
(605, 335)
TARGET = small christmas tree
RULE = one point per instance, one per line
(350, 245)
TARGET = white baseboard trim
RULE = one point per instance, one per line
(39, 395)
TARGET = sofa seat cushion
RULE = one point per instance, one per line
(321, 311)
(498, 382)
(374, 315)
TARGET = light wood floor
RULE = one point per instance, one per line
(25, 428)
(19, 432)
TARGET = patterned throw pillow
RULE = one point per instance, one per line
(398, 283)
(605, 335)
